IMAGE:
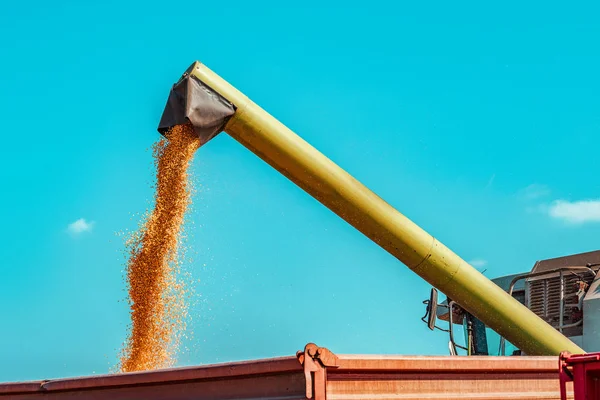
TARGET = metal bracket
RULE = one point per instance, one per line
(316, 360)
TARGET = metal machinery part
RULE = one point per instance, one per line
(281, 148)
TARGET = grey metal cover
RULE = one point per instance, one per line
(191, 101)
(575, 260)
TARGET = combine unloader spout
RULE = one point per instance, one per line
(211, 105)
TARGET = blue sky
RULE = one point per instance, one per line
(479, 122)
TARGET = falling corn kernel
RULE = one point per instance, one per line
(156, 292)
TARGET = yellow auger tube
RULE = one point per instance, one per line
(339, 191)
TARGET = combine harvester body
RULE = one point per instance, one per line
(563, 291)
(211, 105)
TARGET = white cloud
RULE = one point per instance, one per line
(478, 263)
(577, 212)
(80, 226)
(535, 191)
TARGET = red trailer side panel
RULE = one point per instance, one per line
(316, 373)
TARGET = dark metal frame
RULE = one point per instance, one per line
(451, 344)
